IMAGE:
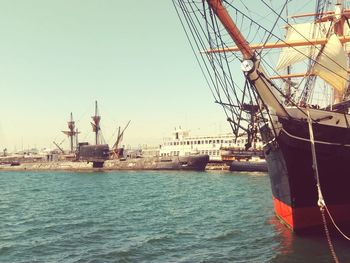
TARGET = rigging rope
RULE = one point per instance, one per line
(311, 80)
(274, 25)
(270, 33)
(307, 40)
(214, 36)
(200, 45)
(218, 68)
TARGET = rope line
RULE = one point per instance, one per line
(335, 225)
(320, 202)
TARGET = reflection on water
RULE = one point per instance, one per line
(285, 236)
(307, 248)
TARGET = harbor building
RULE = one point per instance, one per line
(183, 144)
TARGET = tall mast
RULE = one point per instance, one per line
(339, 31)
(71, 133)
(339, 18)
(288, 83)
(96, 124)
(71, 126)
(250, 64)
(76, 137)
(231, 28)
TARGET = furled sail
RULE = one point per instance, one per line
(331, 64)
(302, 32)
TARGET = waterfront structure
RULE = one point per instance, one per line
(183, 144)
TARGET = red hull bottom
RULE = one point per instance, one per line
(305, 219)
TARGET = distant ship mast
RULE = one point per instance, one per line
(96, 124)
(72, 132)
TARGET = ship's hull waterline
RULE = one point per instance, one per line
(294, 186)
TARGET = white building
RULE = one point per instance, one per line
(182, 144)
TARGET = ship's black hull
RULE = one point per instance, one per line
(293, 183)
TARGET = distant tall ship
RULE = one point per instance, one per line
(303, 117)
(96, 153)
(116, 158)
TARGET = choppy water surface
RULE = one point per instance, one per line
(147, 217)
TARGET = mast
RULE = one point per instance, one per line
(339, 31)
(59, 147)
(250, 65)
(231, 28)
(96, 124)
(339, 18)
(288, 82)
(120, 136)
(71, 126)
(76, 138)
(71, 133)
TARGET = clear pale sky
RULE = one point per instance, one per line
(59, 56)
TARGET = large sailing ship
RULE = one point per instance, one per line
(300, 97)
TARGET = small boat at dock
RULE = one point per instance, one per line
(244, 160)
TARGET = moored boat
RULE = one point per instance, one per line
(244, 160)
(252, 165)
(306, 139)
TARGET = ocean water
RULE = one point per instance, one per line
(148, 217)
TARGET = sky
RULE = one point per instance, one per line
(59, 56)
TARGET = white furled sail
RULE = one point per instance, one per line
(331, 65)
(302, 33)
